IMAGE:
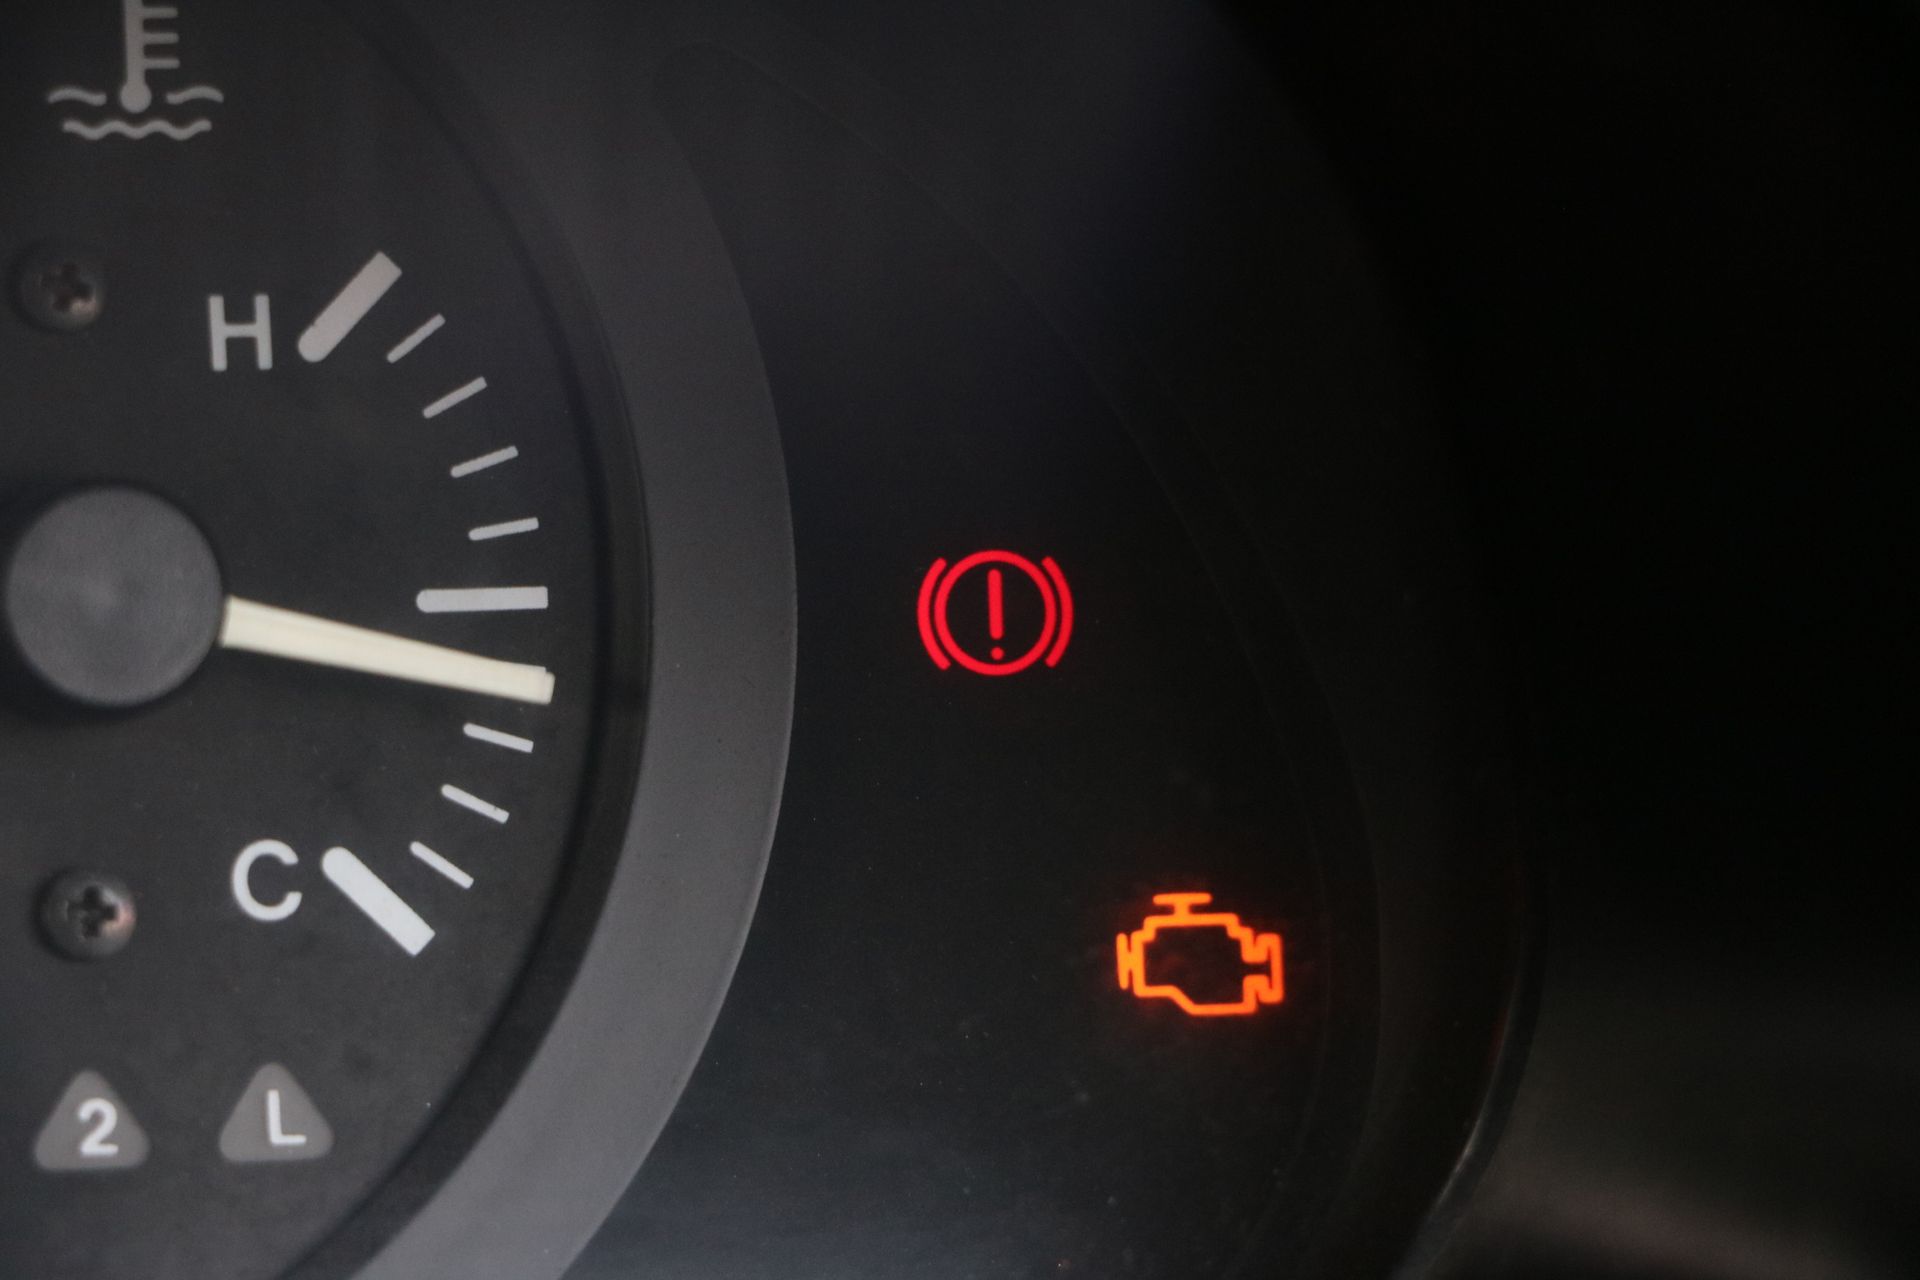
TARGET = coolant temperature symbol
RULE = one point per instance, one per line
(148, 43)
(978, 588)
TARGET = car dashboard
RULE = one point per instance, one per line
(731, 639)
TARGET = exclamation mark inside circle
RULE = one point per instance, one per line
(996, 611)
(1049, 631)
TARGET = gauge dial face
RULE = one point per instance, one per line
(309, 629)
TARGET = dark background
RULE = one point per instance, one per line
(1654, 266)
(1660, 259)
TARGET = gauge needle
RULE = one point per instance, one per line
(282, 633)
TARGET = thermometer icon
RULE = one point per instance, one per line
(139, 38)
(938, 598)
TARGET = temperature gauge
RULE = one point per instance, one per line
(309, 679)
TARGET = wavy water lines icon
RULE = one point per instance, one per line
(128, 129)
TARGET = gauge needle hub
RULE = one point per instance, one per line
(283, 633)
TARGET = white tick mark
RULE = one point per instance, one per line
(458, 395)
(405, 346)
(381, 904)
(480, 733)
(441, 865)
(348, 308)
(505, 529)
(484, 461)
(468, 800)
(481, 599)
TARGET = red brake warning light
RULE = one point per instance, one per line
(1001, 656)
(1262, 949)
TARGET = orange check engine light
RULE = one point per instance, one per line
(1262, 949)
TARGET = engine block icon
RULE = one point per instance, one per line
(1132, 952)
